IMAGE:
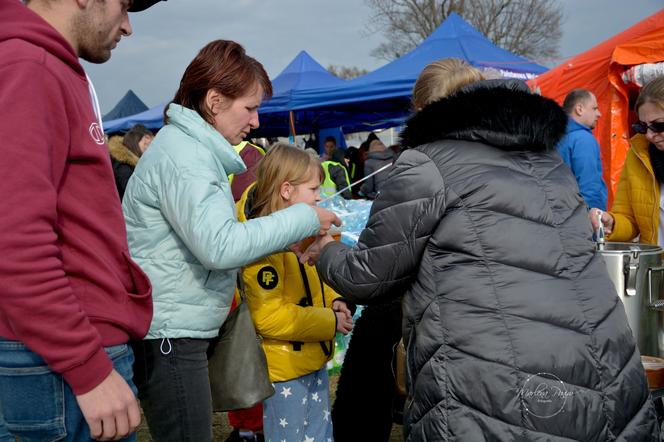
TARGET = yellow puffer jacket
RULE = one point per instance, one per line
(636, 205)
(297, 325)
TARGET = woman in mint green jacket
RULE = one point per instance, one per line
(183, 232)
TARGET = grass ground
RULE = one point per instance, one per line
(221, 429)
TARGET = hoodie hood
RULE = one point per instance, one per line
(500, 116)
(120, 152)
(20, 22)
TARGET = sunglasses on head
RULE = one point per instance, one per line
(641, 128)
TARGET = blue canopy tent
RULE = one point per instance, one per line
(130, 104)
(152, 118)
(381, 98)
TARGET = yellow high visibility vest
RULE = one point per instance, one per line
(329, 187)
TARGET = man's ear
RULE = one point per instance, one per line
(285, 190)
(578, 108)
(214, 101)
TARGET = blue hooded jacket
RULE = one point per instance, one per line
(580, 151)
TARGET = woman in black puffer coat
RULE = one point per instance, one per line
(514, 330)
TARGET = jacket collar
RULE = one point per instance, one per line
(573, 125)
(499, 116)
(640, 146)
(120, 152)
(189, 122)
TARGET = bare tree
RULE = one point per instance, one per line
(530, 28)
(346, 72)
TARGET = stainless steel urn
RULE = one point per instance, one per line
(636, 271)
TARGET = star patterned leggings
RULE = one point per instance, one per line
(299, 410)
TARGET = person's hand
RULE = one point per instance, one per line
(326, 219)
(344, 323)
(310, 255)
(110, 409)
(607, 220)
(340, 306)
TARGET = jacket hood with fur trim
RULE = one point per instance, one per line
(120, 153)
(500, 116)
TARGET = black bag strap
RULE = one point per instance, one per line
(327, 351)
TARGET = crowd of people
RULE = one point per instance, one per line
(120, 265)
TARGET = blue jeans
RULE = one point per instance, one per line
(37, 404)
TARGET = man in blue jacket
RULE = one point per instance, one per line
(579, 148)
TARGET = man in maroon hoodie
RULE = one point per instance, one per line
(70, 296)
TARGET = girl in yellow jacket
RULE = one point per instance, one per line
(638, 208)
(295, 313)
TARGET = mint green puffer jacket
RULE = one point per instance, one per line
(183, 230)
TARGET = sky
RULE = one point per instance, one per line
(167, 36)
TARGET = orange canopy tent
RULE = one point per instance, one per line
(599, 70)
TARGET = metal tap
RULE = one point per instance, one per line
(600, 232)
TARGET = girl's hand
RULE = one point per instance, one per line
(344, 324)
(340, 306)
(607, 220)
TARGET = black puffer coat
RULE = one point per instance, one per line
(514, 331)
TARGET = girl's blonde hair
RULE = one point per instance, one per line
(652, 92)
(442, 78)
(282, 163)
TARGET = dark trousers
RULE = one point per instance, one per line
(365, 400)
(174, 388)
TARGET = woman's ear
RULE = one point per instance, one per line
(214, 101)
(285, 190)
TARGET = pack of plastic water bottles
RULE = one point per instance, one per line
(354, 214)
(642, 74)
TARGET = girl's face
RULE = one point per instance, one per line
(307, 192)
(651, 113)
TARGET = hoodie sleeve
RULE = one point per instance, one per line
(36, 300)
(390, 248)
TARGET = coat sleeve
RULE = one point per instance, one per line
(276, 317)
(625, 227)
(199, 206)
(388, 253)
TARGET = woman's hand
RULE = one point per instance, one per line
(340, 306)
(607, 220)
(326, 219)
(310, 255)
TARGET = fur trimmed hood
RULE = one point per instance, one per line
(120, 152)
(499, 116)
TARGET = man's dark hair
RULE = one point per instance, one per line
(574, 97)
(332, 139)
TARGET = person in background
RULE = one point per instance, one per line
(379, 157)
(513, 329)
(579, 148)
(71, 296)
(294, 312)
(331, 152)
(251, 154)
(125, 152)
(183, 230)
(335, 179)
(638, 210)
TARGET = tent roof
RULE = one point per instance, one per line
(152, 118)
(381, 98)
(453, 38)
(130, 104)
